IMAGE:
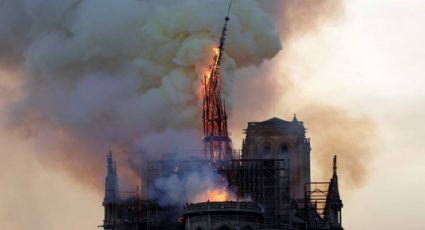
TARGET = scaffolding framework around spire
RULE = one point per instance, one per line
(216, 137)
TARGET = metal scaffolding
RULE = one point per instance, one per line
(316, 195)
(136, 214)
(216, 137)
(265, 181)
(312, 207)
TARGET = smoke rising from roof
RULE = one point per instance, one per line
(103, 74)
(275, 89)
(190, 185)
(118, 74)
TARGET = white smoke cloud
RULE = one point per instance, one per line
(193, 184)
(176, 189)
(110, 73)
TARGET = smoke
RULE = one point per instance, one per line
(294, 18)
(94, 75)
(101, 74)
(125, 75)
(191, 185)
(178, 189)
(276, 89)
(335, 131)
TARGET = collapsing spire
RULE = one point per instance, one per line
(216, 138)
(111, 181)
(223, 36)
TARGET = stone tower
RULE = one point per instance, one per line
(279, 139)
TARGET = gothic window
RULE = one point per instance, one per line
(284, 149)
(267, 149)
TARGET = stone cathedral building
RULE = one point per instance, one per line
(270, 177)
(273, 169)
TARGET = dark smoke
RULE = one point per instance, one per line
(91, 82)
(121, 75)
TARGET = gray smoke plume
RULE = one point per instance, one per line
(178, 189)
(100, 74)
(193, 185)
(294, 18)
(275, 90)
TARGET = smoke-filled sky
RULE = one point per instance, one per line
(80, 77)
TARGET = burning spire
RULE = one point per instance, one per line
(216, 138)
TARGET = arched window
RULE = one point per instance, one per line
(267, 149)
(284, 149)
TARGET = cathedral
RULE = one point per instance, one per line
(270, 176)
(273, 169)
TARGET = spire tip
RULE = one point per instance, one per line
(334, 166)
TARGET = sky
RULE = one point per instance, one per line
(370, 62)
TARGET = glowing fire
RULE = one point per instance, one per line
(205, 71)
(219, 194)
(216, 51)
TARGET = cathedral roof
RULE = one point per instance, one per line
(279, 122)
(275, 121)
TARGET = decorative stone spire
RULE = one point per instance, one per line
(333, 201)
(334, 168)
(295, 118)
(111, 181)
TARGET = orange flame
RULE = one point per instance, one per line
(219, 194)
(216, 51)
(206, 71)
